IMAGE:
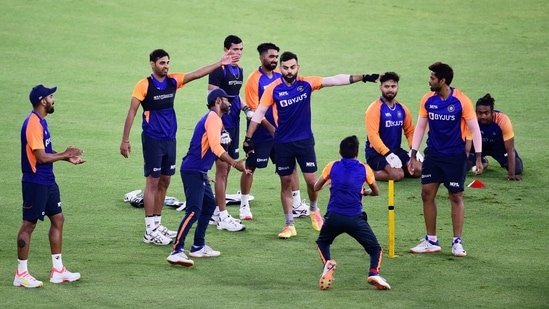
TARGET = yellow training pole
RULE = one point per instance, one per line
(391, 216)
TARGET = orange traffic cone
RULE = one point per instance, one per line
(477, 184)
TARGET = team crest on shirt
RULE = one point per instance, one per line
(399, 114)
(300, 88)
(451, 108)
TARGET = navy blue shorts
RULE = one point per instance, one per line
(450, 170)
(286, 155)
(40, 200)
(232, 148)
(377, 162)
(260, 157)
(159, 156)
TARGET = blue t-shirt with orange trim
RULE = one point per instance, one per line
(36, 135)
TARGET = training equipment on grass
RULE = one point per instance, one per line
(391, 217)
(476, 184)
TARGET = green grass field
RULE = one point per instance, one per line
(95, 51)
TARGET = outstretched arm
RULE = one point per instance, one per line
(203, 71)
(345, 79)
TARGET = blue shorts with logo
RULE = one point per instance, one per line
(377, 162)
(286, 155)
(260, 157)
(159, 156)
(40, 200)
(447, 169)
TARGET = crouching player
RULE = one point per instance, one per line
(344, 211)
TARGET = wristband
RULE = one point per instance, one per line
(125, 141)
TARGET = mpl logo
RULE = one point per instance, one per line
(283, 93)
(310, 164)
(454, 184)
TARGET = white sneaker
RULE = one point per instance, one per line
(179, 258)
(25, 279)
(157, 238)
(205, 251)
(457, 249)
(214, 219)
(245, 212)
(301, 211)
(164, 230)
(426, 246)
(230, 224)
(63, 275)
(379, 282)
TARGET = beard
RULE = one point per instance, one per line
(389, 96)
(50, 109)
(289, 78)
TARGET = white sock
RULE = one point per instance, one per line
(296, 195)
(432, 238)
(244, 199)
(57, 261)
(216, 211)
(157, 220)
(22, 265)
(149, 224)
(313, 205)
(223, 214)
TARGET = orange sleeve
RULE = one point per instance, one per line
(422, 110)
(371, 120)
(504, 123)
(370, 178)
(212, 138)
(326, 171)
(179, 77)
(467, 112)
(267, 97)
(34, 134)
(250, 90)
(140, 89)
(315, 81)
(408, 126)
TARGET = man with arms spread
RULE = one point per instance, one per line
(263, 137)
(448, 112)
(40, 191)
(385, 120)
(156, 94)
(229, 78)
(205, 147)
(294, 139)
(498, 139)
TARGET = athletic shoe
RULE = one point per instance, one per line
(204, 251)
(301, 211)
(287, 232)
(327, 274)
(63, 275)
(457, 249)
(179, 258)
(230, 224)
(25, 279)
(157, 238)
(164, 230)
(316, 220)
(379, 282)
(214, 219)
(426, 246)
(245, 212)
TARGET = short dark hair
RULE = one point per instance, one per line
(348, 148)
(287, 56)
(230, 40)
(486, 100)
(265, 47)
(389, 76)
(443, 70)
(157, 54)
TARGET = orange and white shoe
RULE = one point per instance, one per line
(287, 232)
(63, 275)
(327, 275)
(378, 282)
(316, 220)
(25, 279)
